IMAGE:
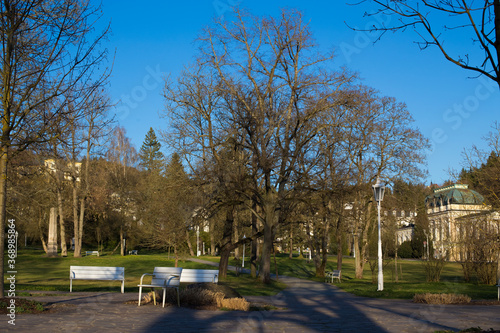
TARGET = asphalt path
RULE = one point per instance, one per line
(304, 306)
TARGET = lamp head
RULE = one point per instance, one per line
(378, 190)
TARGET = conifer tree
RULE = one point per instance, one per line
(150, 155)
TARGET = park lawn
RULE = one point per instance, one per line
(411, 281)
(37, 272)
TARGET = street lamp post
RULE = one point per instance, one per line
(198, 241)
(243, 262)
(378, 192)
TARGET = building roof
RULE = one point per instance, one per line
(454, 194)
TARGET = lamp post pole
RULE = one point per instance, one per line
(198, 241)
(378, 192)
(244, 245)
(380, 265)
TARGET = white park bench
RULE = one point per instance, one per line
(96, 273)
(92, 253)
(162, 277)
(335, 274)
(133, 252)
(199, 275)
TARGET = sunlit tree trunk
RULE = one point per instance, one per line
(62, 227)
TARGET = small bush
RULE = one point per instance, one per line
(433, 268)
(441, 298)
(233, 304)
(200, 298)
(405, 250)
(486, 272)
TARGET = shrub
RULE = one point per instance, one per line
(201, 298)
(405, 250)
(433, 268)
(441, 298)
(486, 272)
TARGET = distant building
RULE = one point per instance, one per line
(454, 211)
(405, 224)
(405, 233)
(69, 170)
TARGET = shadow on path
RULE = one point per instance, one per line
(304, 306)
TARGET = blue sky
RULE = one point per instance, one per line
(155, 38)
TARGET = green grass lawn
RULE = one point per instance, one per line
(412, 280)
(37, 272)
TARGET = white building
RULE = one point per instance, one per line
(452, 210)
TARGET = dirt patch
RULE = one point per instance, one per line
(23, 305)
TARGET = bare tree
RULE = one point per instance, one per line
(123, 156)
(476, 23)
(94, 127)
(275, 85)
(45, 52)
(379, 140)
(482, 169)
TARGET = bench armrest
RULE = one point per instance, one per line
(143, 275)
(170, 276)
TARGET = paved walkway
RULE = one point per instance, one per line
(305, 306)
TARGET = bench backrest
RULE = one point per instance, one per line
(96, 273)
(200, 275)
(336, 273)
(163, 275)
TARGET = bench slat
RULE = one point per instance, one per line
(96, 273)
(200, 275)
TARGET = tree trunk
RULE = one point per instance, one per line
(320, 271)
(396, 265)
(122, 242)
(64, 247)
(340, 243)
(190, 246)
(236, 237)
(253, 251)
(3, 203)
(76, 225)
(224, 262)
(267, 248)
(358, 262)
(290, 244)
(176, 256)
(498, 268)
(42, 239)
(226, 244)
(212, 239)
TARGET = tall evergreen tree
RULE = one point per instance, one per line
(150, 155)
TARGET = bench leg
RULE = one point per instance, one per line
(70, 285)
(140, 292)
(178, 298)
(154, 297)
(123, 286)
(164, 293)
